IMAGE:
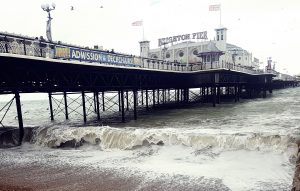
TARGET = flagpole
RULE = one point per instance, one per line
(143, 32)
(220, 16)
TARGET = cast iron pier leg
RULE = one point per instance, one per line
(153, 100)
(51, 107)
(103, 102)
(134, 104)
(127, 101)
(66, 105)
(235, 93)
(119, 99)
(147, 106)
(83, 106)
(213, 92)
(122, 106)
(97, 106)
(218, 95)
(20, 119)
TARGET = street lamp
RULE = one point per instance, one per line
(47, 8)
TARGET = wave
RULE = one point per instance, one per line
(131, 138)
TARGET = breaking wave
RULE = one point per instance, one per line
(130, 138)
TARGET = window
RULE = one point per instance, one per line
(217, 37)
(239, 58)
(181, 54)
(221, 37)
(168, 55)
(195, 52)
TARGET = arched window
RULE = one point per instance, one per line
(181, 54)
(195, 52)
(168, 55)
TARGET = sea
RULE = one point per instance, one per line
(243, 146)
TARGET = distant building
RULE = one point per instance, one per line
(191, 52)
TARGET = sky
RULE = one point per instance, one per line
(266, 28)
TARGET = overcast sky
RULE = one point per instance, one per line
(267, 28)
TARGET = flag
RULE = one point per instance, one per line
(214, 7)
(137, 23)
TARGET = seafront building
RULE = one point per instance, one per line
(210, 54)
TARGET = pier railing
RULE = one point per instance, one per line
(21, 45)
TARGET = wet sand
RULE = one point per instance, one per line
(47, 178)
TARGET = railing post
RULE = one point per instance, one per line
(24, 46)
(6, 46)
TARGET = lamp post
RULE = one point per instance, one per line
(47, 8)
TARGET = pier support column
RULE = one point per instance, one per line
(218, 95)
(127, 101)
(158, 97)
(239, 92)
(142, 94)
(97, 105)
(235, 93)
(66, 105)
(203, 94)
(119, 100)
(265, 88)
(103, 102)
(264, 92)
(178, 96)
(95, 102)
(213, 93)
(122, 106)
(51, 107)
(134, 104)
(83, 106)
(186, 95)
(20, 118)
(163, 96)
(147, 97)
(153, 98)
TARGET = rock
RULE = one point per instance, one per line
(160, 143)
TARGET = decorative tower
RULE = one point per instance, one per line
(144, 49)
(221, 38)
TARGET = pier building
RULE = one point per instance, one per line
(186, 48)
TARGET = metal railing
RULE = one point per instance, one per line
(41, 48)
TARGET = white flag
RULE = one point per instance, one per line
(137, 23)
(214, 7)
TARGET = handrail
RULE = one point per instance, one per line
(42, 48)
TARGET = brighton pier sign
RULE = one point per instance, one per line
(177, 38)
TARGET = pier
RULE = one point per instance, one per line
(119, 86)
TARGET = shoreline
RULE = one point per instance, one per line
(66, 178)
